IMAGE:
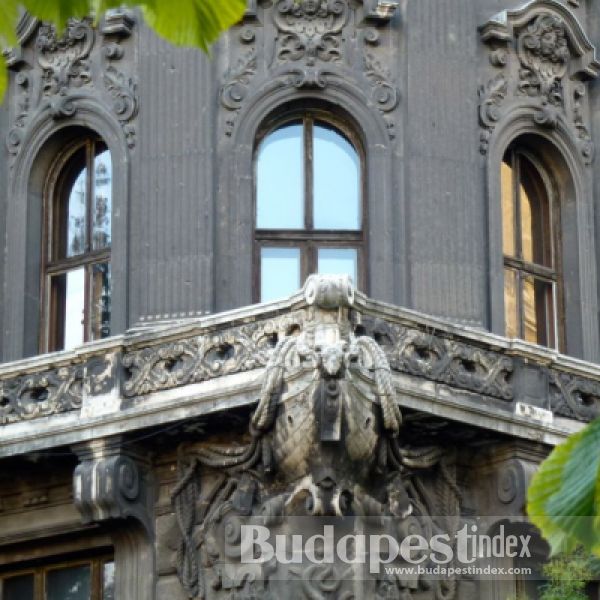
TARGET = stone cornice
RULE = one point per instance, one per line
(169, 371)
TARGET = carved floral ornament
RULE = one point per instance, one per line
(542, 60)
(310, 44)
(55, 75)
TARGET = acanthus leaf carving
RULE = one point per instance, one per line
(64, 60)
(310, 30)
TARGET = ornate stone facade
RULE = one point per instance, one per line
(398, 409)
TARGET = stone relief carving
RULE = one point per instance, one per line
(56, 391)
(325, 441)
(574, 397)
(310, 30)
(310, 44)
(545, 60)
(41, 394)
(204, 357)
(111, 482)
(55, 73)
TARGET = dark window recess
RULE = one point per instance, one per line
(309, 206)
(92, 579)
(530, 226)
(77, 274)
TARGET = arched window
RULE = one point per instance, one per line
(76, 271)
(530, 224)
(309, 205)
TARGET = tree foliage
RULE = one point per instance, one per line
(564, 496)
(182, 22)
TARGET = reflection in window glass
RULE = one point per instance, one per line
(336, 193)
(76, 224)
(280, 180)
(280, 272)
(100, 301)
(102, 201)
(108, 581)
(511, 307)
(77, 280)
(530, 276)
(338, 261)
(69, 584)
(17, 588)
(508, 211)
(68, 299)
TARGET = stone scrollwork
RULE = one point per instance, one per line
(111, 482)
(545, 60)
(310, 44)
(574, 397)
(41, 394)
(310, 29)
(204, 357)
(65, 60)
(57, 73)
(325, 442)
(427, 355)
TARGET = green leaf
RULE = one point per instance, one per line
(9, 15)
(192, 22)
(57, 11)
(564, 495)
(3, 79)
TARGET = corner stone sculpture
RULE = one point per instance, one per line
(325, 448)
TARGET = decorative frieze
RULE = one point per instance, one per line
(545, 59)
(162, 361)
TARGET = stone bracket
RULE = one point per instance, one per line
(112, 482)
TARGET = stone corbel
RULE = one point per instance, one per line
(112, 483)
(512, 480)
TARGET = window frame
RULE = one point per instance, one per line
(96, 561)
(308, 239)
(524, 268)
(54, 192)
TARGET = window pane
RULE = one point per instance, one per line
(338, 261)
(336, 181)
(18, 588)
(101, 209)
(108, 581)
(508, 210)
(76, 215)
(69, 584)
(536, 230)
(68, 297)
(280, 180)
(100, 301)
(511, 306)
(279, 272)
(538, 311)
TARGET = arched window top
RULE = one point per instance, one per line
(77, 275)
(308, 177)
(309, 203)
(530, 226)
